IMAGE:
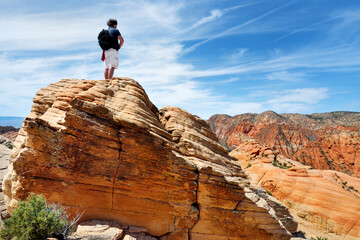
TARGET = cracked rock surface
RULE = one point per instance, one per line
(103, 147)
(4, 163)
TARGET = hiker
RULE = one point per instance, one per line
(111, 55)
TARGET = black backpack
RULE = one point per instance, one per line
(105, 40)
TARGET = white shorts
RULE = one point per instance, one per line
(111, 58)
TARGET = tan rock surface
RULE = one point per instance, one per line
(103, 147)
(325, 203)
(96, 229)
(4, 163)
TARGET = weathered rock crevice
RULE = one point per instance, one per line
(195, 205)
(117, 168)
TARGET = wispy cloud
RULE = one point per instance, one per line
(230, 30)
(214, 14)
(243, 107)
(52, 31)
(286, 76)
(314, 58)
(302, 95)
(349, 17)
(306, 28)
(285, 101)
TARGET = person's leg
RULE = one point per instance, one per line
(111, 62)
(111, 72)
(106, 73)
(107, 63)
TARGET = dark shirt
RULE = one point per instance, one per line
(114, 33)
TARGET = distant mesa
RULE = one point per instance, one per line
(11, 121)
(103, 147)
(9, 132)
(321, 140)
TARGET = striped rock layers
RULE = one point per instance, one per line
(103, 147)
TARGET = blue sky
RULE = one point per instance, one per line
(207, 57)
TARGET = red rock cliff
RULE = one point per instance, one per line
(324, 202)
(103, 147)
(324, 141)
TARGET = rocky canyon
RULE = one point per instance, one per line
(309, 162)
(104, 148)
(324, 141)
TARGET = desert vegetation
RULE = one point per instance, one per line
(34, 219)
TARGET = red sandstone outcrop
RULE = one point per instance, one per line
(10, 135)
(325, 203)
(103, 147)
(323, 141)
(9, 132)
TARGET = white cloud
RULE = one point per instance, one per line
(187, 93)
(307, 28)
(232, 29)
(244, 107)
(214, 14)
(297, 100)
(302, 95)
(290, 108)
(301, 100)
(349, 18)
(293, 65)
(285, 76)
(237, 56)
(61, 31)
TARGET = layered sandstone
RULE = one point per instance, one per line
(325, 203)
(103, 147)
(9, 132)
(323, 141)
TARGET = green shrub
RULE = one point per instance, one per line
(268, 192)
(278, 164)
(33, 219)
(9, 145)
(318, 238)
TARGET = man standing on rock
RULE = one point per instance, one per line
(111, 56)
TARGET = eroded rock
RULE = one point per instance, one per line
(5, 151)
(103, 147)
(325, 203)
(329, 141)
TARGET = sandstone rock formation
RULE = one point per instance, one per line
(9, 132)
(103, 147)
(107, 230)
(323, 141)
(325, 203)
(5, 150)
(100, 230)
